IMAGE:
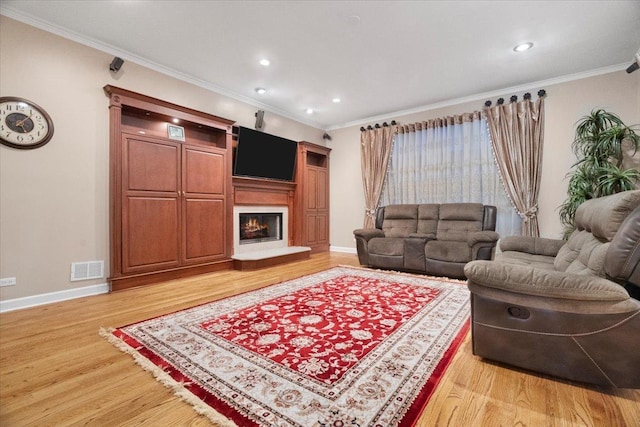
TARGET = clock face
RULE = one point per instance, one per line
(23, 124)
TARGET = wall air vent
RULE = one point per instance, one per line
(87, 270)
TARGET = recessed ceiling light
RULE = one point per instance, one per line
(523, 46)
(176, 121)
(265, 62)
(309, 110)
(261, 90)
(336, 100)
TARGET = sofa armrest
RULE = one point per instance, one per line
(532, 245)
(368, 233)
(482, 237)
(527, 280)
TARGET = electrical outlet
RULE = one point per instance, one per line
(8, 281)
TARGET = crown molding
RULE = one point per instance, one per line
(483, 96)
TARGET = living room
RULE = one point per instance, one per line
(55, 199)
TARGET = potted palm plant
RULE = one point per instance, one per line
(601, 141)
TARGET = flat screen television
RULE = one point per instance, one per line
(261, 155)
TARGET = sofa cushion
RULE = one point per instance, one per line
(400, 220)
(448, 251)
(582, 254)
(387, 246)
(521, 258)
(622, 262)
(597, 221)
(457, 220)
(603, 216)
(428, 220)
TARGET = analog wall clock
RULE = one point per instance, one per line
(23, 124)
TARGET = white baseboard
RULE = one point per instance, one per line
(343, 249)
(48, 298)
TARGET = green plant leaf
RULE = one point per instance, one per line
(598, 145)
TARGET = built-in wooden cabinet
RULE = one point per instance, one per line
(170, 199)
(312, 196)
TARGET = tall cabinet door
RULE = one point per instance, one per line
(312, 196)
(317, 207)
(322, 194)
(204, 219)
(150, 204)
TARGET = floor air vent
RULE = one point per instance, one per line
(87, 270)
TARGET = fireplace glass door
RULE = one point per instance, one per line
(260, 227)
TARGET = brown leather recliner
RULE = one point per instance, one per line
(569, 309)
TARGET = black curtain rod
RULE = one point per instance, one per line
(377, 126)
(514, 98)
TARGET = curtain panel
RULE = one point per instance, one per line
(517, 132)
(375, 150)
(448, 160)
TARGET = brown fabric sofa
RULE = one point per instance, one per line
(437, 239)
(570, 308)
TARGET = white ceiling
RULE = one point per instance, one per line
(378, 57)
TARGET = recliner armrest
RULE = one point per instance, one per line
(482, 237)
(532, 245)
(527, 280)
(368, 233)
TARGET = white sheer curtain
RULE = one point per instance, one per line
(448, 160)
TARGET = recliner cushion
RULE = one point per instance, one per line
(457, 220)
(597, 221)
(428, 220)
(387, 246)
(543, 262)
(400, 220)
(604, 215)
(447, 251)
(622, 262)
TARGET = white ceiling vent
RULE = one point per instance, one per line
(87, 270)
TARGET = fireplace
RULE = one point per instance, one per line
(258, 228)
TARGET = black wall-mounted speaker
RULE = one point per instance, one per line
(116, 64)
(259, 119)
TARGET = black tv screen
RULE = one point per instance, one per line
(261, 155)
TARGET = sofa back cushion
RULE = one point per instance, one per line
(400, 220)
(428, 219)
(582, 254)
(622, 262)
(457, 220)
(597, 221)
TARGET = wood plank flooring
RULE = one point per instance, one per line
(55, 370)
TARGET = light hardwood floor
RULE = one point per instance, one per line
(55, 370)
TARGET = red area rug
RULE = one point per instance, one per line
(343, 347)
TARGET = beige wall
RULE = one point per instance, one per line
(54, 199)
(566, 103)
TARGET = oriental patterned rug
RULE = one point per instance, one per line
(344, 347)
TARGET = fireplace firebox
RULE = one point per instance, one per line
(258, 227)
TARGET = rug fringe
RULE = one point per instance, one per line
(164, 378)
